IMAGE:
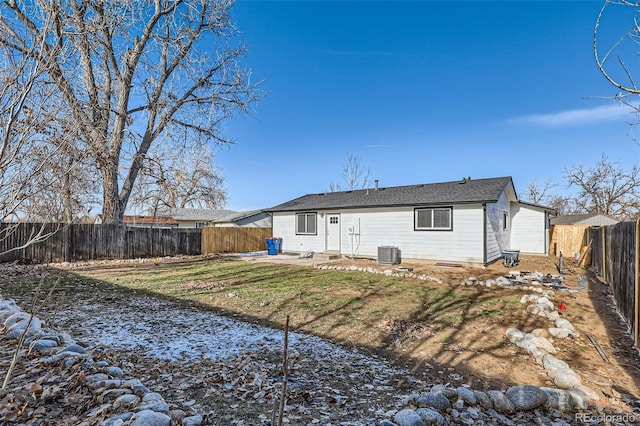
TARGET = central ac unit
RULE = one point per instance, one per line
(388, 255)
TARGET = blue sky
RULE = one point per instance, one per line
(421, 92)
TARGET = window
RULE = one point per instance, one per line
(505, 221)
(201, 224)
(306, 223)
(333, 220)
(436, 219)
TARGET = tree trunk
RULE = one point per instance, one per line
(68, 198)
(114, 78)
(112, 211)
(67, 193)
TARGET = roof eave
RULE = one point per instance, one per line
(377, 206)
(540, 206)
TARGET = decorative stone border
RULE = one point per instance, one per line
(466, 406)
(470, 406)
(542, 350)
(387, 272)
(126, 399)
(130, 402)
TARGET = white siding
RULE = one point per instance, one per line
(493, 247)
(284, 226)
(528, 233)
(393, 227)
(498, 239)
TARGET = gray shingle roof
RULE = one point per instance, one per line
(197, 214)
(235, 216)
(571, 219)
(456, 192)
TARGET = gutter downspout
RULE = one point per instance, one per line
(484, 234)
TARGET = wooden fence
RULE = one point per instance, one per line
(233, 239)
(569, 239)
(615, 251)
(56, 242)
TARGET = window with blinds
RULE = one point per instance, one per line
(306, 223)
(433, 219)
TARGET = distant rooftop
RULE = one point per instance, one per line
(584, 219)
(234, 216)
(197, 214)
(148, 220)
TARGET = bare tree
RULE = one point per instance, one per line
(538, 194)
(606, 188)
(174, 178)
(562, 204)
(130, 71)
(354, 174)
(620, 43)
(22, 151)
(334, 186)
(71, 197)
(30, 144)
(543, 195)
(614, 47)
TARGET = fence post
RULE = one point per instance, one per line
(560, 264)
(68, 250)
(637, 289)
(604, 254)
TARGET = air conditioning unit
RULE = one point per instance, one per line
(388, 255)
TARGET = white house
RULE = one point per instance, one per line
(195, 218)
(471, 220)
(246, 219)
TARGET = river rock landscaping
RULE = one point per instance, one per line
(148, 361)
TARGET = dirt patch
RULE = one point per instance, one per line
(445, 333)
(445, 339)
(621, 376)
(475, 345)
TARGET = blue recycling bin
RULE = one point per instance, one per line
(271, 247)
(278, 243)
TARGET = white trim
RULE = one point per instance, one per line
(432, 220)
(307, 215)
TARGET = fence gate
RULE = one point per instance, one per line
(569, 239)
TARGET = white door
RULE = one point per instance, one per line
(333, 232)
